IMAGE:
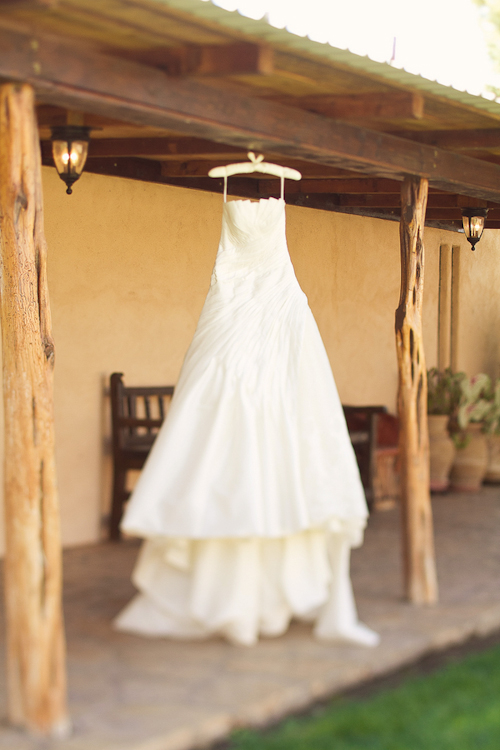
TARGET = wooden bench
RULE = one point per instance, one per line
(386, 481)
(137, 414)
(375, 438)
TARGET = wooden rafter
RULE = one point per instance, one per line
(437, 200)
(186, 167)
(27, 4)
(339, 185)
(166, 149)
(443, 209)
(118, 88)
(389, 105)
(240, 58)
(473, 139)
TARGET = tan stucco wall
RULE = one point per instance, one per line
(479, 306)
(129, 267)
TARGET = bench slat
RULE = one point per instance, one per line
(132, 435)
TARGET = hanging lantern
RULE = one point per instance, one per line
(70, 144)
(473, 221)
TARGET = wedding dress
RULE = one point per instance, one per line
(251, 498)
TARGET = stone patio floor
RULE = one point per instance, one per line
(131, 693)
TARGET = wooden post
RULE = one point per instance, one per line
(444, 308)
(35, 634)
(418, 540)
(455, 306)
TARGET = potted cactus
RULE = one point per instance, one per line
(471, 458)
(492, 429)
(443, 395)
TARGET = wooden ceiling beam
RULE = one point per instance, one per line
(434, 200)
(370, 200)
(187, 167)
(28, 4)
(150, 171)
(442, 207)
(113, 87)
(168, 149)
(370, 191)
(456, 214)
(488, 156)
(200, 154)
(174, 149)
(352, 186)
(456, 139)
(336, 185)
(146, 170)
(387, 105)
(210, 60)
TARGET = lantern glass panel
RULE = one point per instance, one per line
(476, 226)
(473, 226)
(61, 155)
(69, 157)
(78, 155)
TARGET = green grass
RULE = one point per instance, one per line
(455, 708)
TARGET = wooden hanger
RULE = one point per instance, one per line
(255, 164)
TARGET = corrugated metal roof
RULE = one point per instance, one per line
(287, 40)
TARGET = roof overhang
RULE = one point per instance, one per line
(196, 84)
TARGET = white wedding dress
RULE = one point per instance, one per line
(251, 498)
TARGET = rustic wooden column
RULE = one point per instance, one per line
(444, 308)
(418, 539)
(455, 307)
(35, 635)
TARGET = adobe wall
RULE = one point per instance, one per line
(129, 268)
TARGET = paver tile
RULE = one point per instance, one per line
(132, 693)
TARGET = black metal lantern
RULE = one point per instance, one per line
(70, 145)
(473, 221)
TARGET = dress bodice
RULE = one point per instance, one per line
(253, 237)
(245, 221)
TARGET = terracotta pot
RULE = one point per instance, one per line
(442, 451)
(469, 466)
(493, 469)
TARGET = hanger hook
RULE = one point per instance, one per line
(255, 159)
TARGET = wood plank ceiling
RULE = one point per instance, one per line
(353, 134)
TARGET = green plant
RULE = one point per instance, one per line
(474, 402)
(492, 417)
(464, 400)
(443, 391)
